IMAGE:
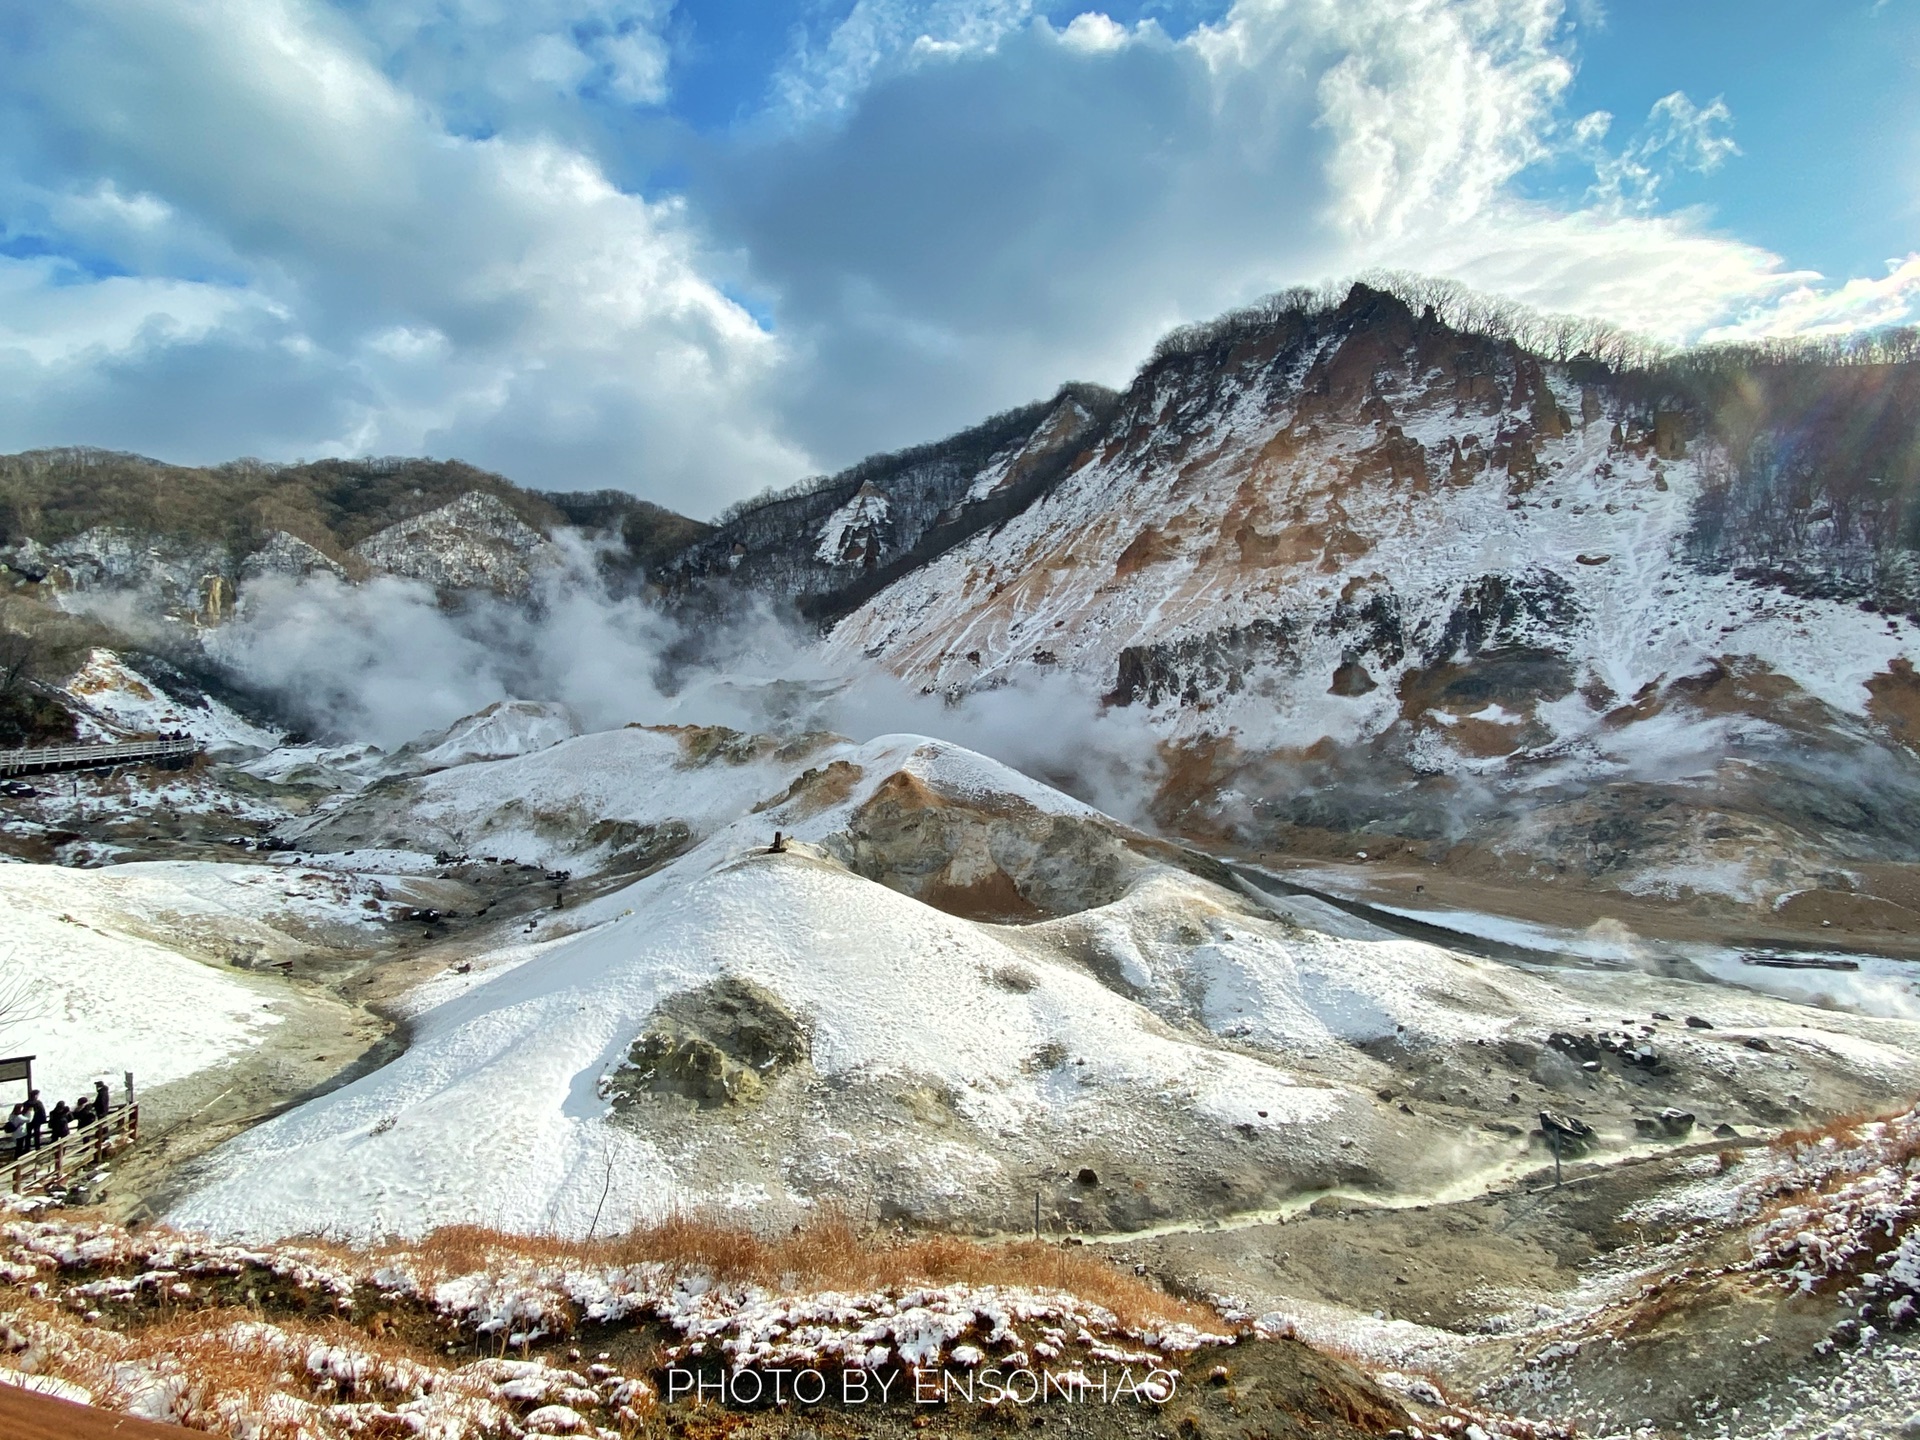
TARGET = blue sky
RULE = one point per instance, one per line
(696, 247)
(1823, 104)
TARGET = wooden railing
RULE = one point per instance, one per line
(38, 759)
(55, 1162)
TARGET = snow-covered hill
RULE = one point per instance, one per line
(950, 990)
(111, 700)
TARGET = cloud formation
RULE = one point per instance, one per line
(286, 228)
(1678, 135)
(348, 275)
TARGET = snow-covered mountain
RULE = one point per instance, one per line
(184, 544)
(1371, 575)
(1594, 669)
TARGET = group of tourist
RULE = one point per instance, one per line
(30, 1124)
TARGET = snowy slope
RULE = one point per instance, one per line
(1176, 1037)
(116, 702)
(504, 729)
(105, 992)
(147, 966)
(1277, 503)
(571, 803)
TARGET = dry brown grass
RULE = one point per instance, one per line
(1900, 1148)
(92, 1357)
(1841, 1128)
(231, 1360)
(231, 1367)
(1845, 1130)
(829, 1253)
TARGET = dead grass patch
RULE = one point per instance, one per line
(1846, 1131)
(828, 1253)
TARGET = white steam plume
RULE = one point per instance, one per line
(385, 662)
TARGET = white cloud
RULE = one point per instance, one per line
(1678, 135)
(878, 37)
(579, 340)
(636, 62)
(415, 226)
(505, 66)
(1662, 276)
(966, 225)
(49, 320)
(1094, 30)
(1807, 309)
(104, 208)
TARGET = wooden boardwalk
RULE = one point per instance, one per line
(43, 759)
(59, 1161)
(27, 1415)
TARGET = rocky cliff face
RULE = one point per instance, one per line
(830, 544)
(182, 575)
(473, 543)
(186, 542)
(175, 574)
(1367, 574)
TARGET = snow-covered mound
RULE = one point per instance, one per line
(340, 768)
(502, 730)
(629, 794)
(849, 1018)
(146, 967)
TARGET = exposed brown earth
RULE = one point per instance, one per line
(25, 1415)
(1878, 918)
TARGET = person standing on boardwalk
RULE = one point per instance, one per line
(102, 1099)
(59, 1120)
(36, 1119)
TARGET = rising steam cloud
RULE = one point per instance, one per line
(384, 662)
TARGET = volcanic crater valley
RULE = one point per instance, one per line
(1372, 875)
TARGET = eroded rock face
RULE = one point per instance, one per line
(1395, 579)
(27, 559)
(473, 543)
(993, 859)
(1196, 667)
(173, 573)
(831, 546)
(718, 1045)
